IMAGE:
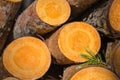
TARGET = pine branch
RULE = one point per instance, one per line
(92, 58)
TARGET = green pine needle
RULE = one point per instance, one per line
(92, 58)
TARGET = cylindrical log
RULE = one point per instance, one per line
(42, 17)
(8, 11)
(114, 16)
(98, 17)
(91, 72)
(27, 58)
(113, 56)
(71, 40)
(79, 6)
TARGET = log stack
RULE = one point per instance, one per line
(59, 40)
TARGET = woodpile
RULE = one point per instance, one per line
(59, 40)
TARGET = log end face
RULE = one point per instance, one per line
(114, 16)
(27, 58)
(75, 38)
(53, 12)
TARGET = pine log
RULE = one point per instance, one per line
(42, 17)
(98, 17)
(113, 56)
(8, 11)
(90, 72)
(27, 58)
(71, 40)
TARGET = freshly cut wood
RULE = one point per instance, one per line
(79, 6)
(68, 43)
(27, 58)
(114, 16)
(10, 78)
(8, 11)
(98, 17)
(88, 73)
(53, 12)
(113, 56)
(42, 16)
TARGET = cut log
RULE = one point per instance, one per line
(27, 58)
(69, 42)
(98, 17)
(79, 6)
(113, 56)
(114, 16)
(42, 16)
(8, 11)
(88, 73)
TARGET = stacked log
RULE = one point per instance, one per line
(67, 34)
(27, 58)
(71, 40)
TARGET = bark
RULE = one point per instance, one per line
(98, 17)
(113, 55)
(25, 4)
(28, 23)
(8, 11)
(79, 6)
